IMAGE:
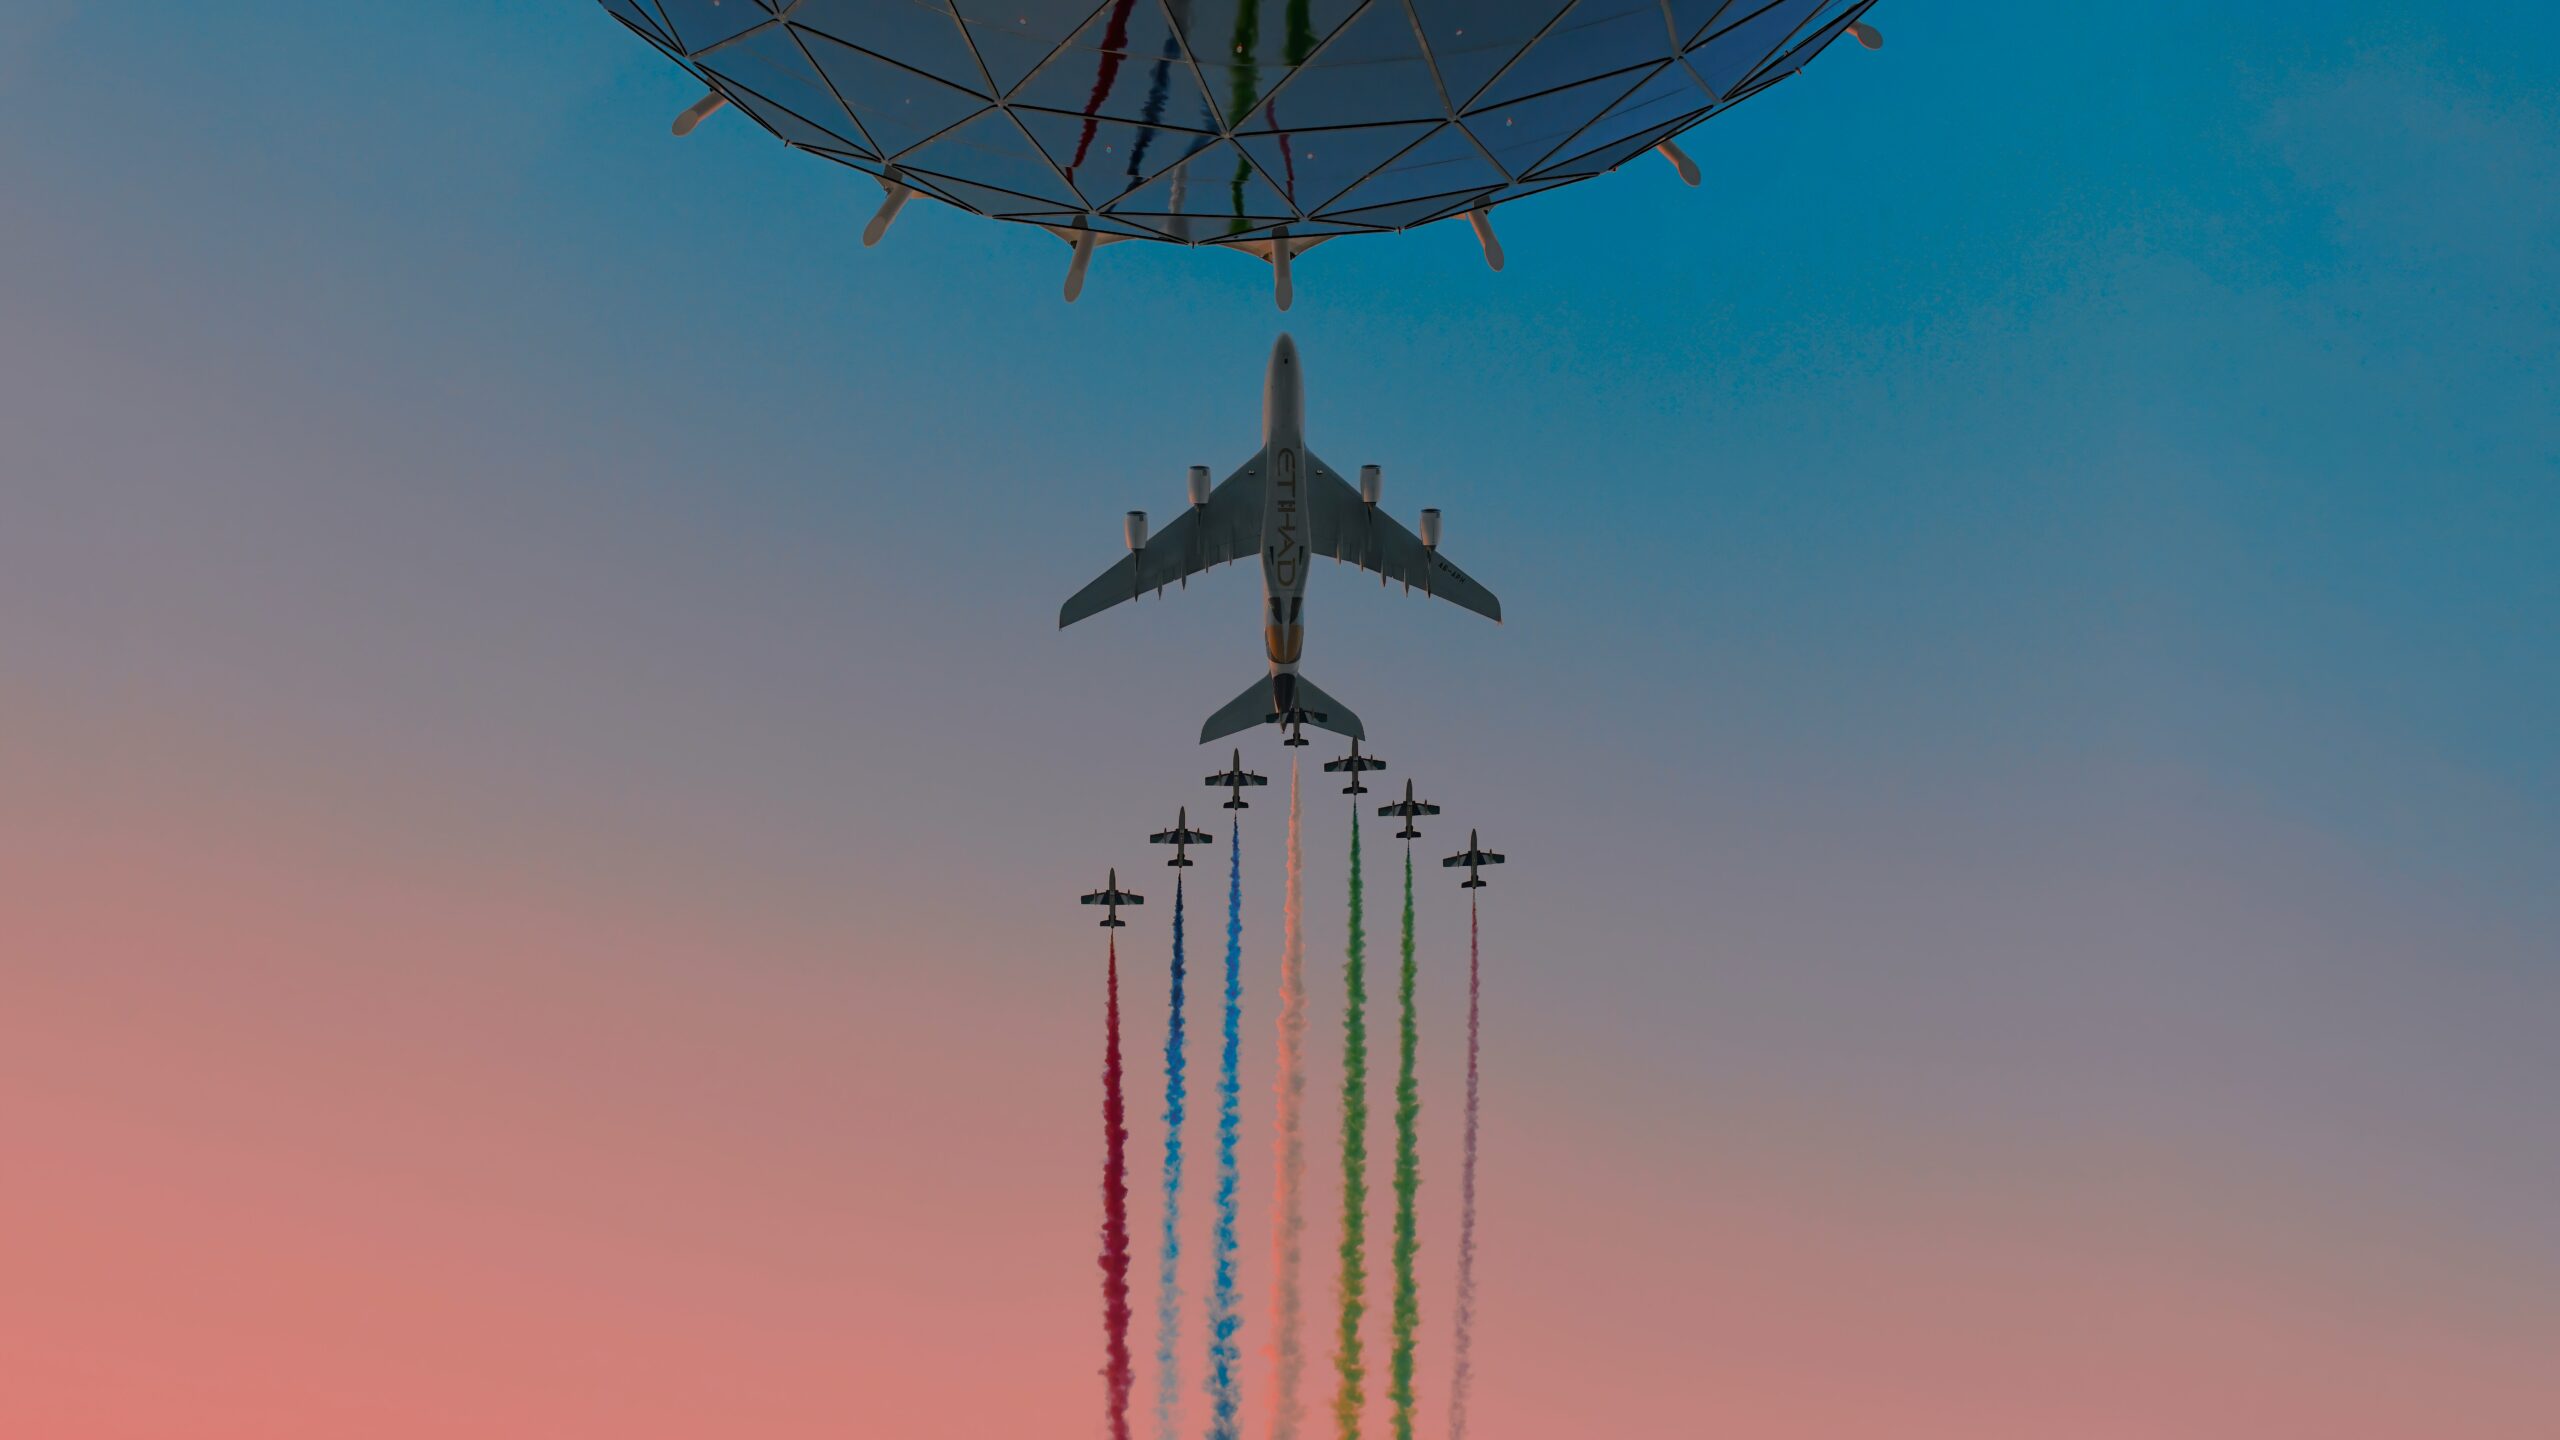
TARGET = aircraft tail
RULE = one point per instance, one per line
(1266, 700)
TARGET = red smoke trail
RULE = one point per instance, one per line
(1115, 1215)
(1115, 46)
(1463, 1342)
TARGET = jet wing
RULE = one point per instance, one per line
(1228, 528)
(1346, 529)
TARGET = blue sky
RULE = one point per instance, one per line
(2044, 564)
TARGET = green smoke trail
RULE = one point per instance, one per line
(1349, 1362)
(1408, 1306)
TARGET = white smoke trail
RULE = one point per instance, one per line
(1288, 1221)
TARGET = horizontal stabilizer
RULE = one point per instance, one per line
(1247, 710)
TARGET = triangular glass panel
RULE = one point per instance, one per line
(771, 79)
(701, 24)
(1690, 18)
(1105, 158)
(1247, 47)
(899, 107)
(1373, 72)
(1470, 41)
(919, 34)
(642, 18)
(1299, 230)
(1127, 64)
(1313, 166)
(1087, 220)
(1596, 37)
(1807, 44)
(1602, 158)
(1729, 56)
(1525, 132)
(1407, 212)
(1013, 37)
(992, 150)
(985, 199)
(1445, 163)
(1671, 94)
(1218, 183)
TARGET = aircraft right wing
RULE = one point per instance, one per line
(1347, 529)
(1228, 528)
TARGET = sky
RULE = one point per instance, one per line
(541, 796)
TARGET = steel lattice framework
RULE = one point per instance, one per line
(1230, 122)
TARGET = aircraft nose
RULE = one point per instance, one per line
(1284, 351)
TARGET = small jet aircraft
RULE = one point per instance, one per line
(1355, 762)
(1473, 857)
(1235, 777)
(1112, 895)
(1407, 809)
(1291, 507)
(1181, 837)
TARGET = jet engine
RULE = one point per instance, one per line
(1372, 483)
(1430, 529)
(1135, 529)
(1198, 484)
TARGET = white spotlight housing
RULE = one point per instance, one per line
(1483, 224)
(700, 110)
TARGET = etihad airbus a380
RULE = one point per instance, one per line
(1292, 507)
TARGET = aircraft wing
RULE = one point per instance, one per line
(1368, 537)
(1228, 528)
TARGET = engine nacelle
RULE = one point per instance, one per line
(1430, 529)
(1198, 484)
(1372, 483)
(1135, 529)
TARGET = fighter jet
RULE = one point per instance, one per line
(1291, 507)
(1235, 777)
(1473, 857)
(1355, 762)
(1181, 837)
(1112, 895)
(1407, 809)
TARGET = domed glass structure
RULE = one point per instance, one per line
(1230, 122)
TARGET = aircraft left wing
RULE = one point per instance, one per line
(1346, 529)
(1228, 528)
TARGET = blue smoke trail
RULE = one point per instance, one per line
(1169, 1286)
(1222, 1301)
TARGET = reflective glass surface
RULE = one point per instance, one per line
(1216, 121)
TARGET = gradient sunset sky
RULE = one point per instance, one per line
(541, 797)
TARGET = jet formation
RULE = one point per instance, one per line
(1235, 778)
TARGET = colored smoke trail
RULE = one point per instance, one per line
(1408, 1305)
(1115, 1215)
(1169, 1268)
(1350, 1366)
(1222, 1296)
(1115, 46)
(1462, 1374)
(1288, 1221)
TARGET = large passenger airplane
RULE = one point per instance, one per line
(1293, 507)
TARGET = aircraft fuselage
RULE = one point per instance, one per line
(1284, 520)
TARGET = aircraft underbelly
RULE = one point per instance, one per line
(1284, 552)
